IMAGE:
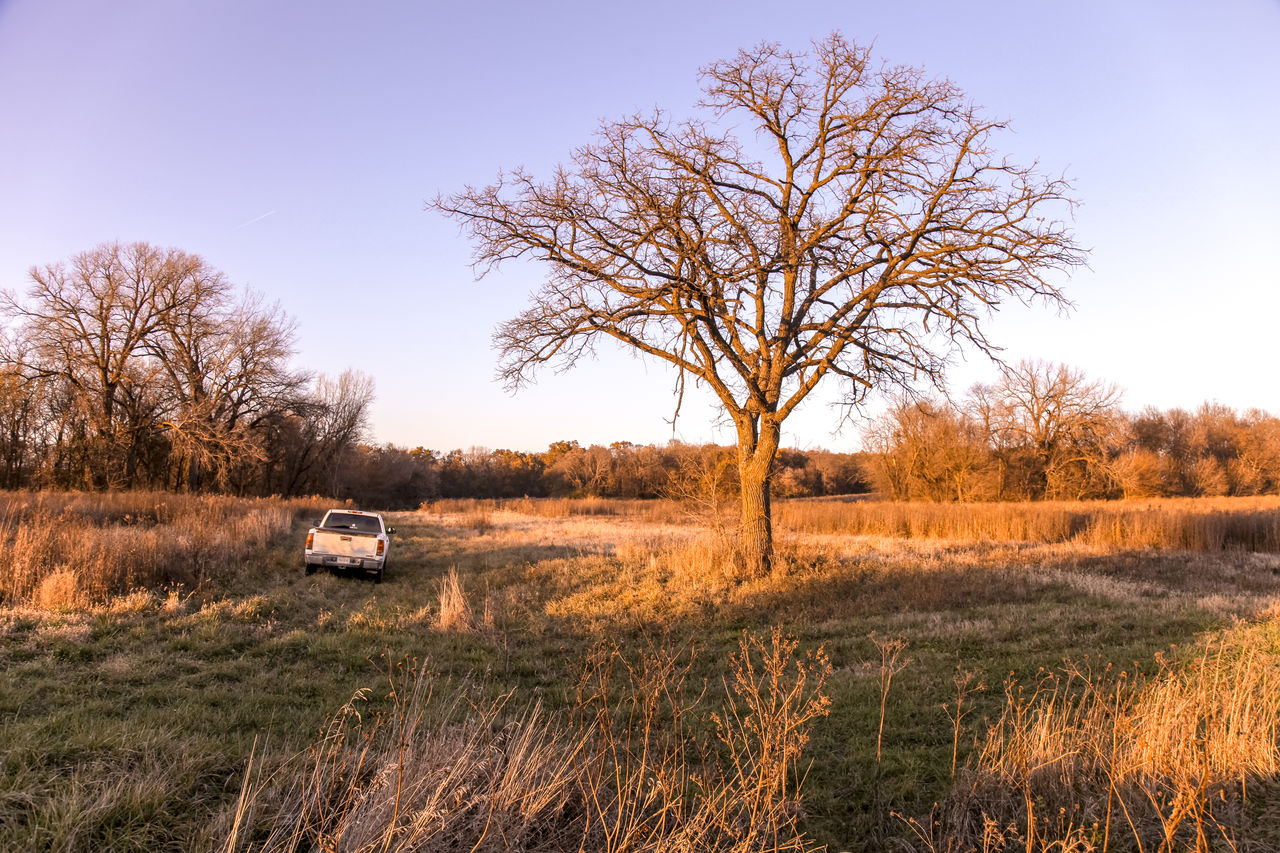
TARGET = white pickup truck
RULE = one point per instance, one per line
(349, 539)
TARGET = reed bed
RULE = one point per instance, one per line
(1098, 760)
(1190, 524)
(64, 550)
(1184, 524)
(655, 510)
(621, 769)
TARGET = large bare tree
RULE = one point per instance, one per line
(145, 362)
(226, 367)
(88, 324)
(861, 227)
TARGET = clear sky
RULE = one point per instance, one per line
(293, 145)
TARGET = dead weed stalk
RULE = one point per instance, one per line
(626, 767)
(1090, 759)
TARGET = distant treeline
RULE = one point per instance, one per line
(396, 477)
(1047, 432)
(133, 367)
(137, 367)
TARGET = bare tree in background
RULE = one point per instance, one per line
(1060, 419)
(329, 422)
(925, 450)
(704, 482)
(86, 324)
(133, 365)
(226, 367)
(861, 228)
(22, 403)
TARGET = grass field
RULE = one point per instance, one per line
(951, 686)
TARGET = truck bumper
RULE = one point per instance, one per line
(369, 564)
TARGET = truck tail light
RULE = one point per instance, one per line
(311, 538)
(381, 546)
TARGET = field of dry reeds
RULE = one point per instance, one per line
(557, 507)
(599, 675)
(64, 550)
(1192, 524)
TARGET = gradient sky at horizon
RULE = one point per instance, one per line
(294, 145)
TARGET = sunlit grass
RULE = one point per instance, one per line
(66, 550)
(127, 722)
(1090, 757)
(1195, 524)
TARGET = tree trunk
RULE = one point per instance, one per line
(194, 474)
(757, 451)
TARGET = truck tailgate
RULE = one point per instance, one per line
(345, 543)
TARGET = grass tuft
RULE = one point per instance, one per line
(455, 610)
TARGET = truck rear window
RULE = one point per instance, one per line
(348, 521)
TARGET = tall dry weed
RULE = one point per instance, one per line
(58, 590)
(1099, 760)
(622, 770)
(455, 609)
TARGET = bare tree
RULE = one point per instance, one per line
(142, 362)
(326, 426)
(862, 230)
(88, 324)
(925, 450)
(586, 470)
(1063, 422)
(22, 399)
(226, 367)
(703, 481)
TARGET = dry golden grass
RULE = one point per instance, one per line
(1080, 761)
(1185, 751)
(1099, 760)
(653, 510)
(66, 550)
(628, 569)
(622, 769)
(1194, 524)
(455, 610)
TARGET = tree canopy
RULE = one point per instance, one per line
(823, 216)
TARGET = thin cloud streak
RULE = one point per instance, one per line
(255, 219)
